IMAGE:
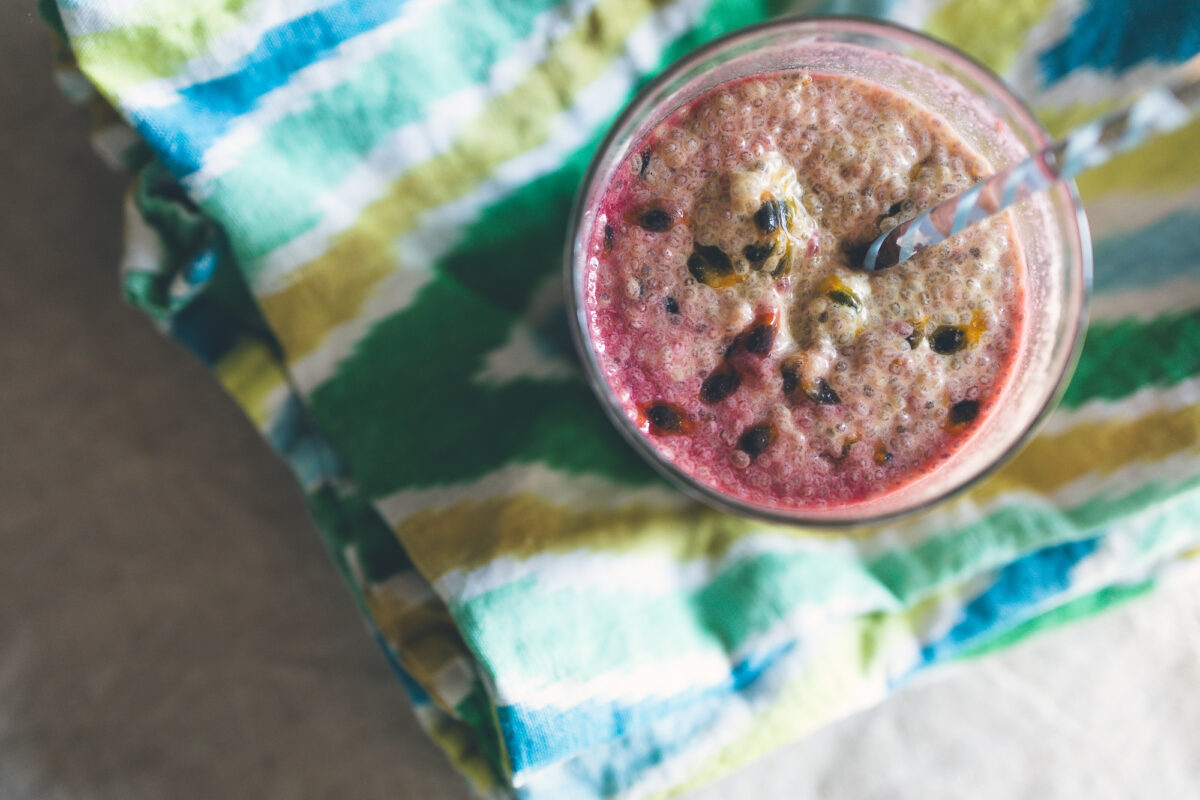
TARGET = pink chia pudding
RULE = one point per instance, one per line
(733, 329)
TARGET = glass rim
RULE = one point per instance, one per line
(1078, 248)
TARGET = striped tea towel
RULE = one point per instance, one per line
(353, 212)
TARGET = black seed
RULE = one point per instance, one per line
(664, 417)
(844, 299)
(610, 237)
(767, 216)
(963, 412)
(758, 340)
(755, 253)
(655, 220)
(975, 252)
(783, 263)
(756, 440)
(823, 394)
(857, 253)
(645, 164)
(708, 264)
(790, 380)
(893, 210)
(947, 339)
(723, 382)
(716, 257)
(672, 305)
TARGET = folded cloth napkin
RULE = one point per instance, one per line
(353, 212)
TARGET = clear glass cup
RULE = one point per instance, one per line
(1052, 228)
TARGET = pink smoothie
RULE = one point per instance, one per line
(731, 327)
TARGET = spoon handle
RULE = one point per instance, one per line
(1158, 111)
